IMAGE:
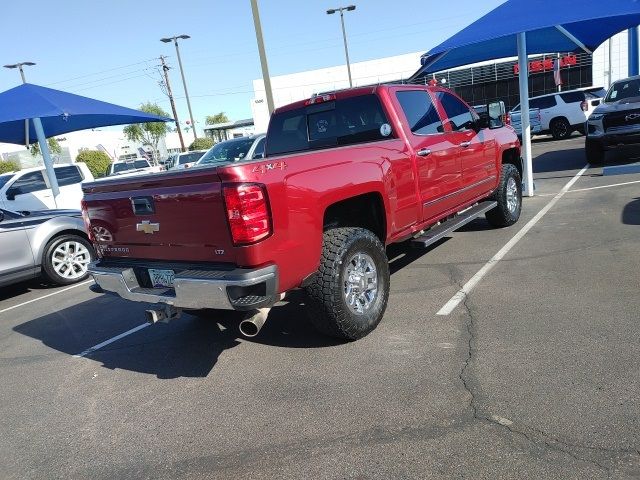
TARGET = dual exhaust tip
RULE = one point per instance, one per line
(249, 327)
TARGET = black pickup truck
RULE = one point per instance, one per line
(615, 122)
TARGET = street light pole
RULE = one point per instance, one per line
(24, 80)
(263, 57)
(174, 39)
(331, 11)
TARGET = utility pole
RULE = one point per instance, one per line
(263, 57)
(165, 69)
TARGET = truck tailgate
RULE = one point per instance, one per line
(169, 216)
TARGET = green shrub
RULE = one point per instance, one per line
(7, 166)
(202, 143)
(97, 161)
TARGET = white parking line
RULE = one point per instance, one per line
(604, 186)
(469, 286)
(111, 340)
(46, 296)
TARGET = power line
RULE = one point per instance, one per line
(99, 72)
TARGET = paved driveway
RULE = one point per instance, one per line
(534, 374)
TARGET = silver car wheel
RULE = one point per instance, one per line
(70, 260)
(512, 195)
(360, 283)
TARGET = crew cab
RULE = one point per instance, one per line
(344, 175)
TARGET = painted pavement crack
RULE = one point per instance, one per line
(533, 435)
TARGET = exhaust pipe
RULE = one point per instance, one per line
(250, 327)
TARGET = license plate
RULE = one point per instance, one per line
(161, 278)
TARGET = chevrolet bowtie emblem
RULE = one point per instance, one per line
(632, 116)
(147, 227)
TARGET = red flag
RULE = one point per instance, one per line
(556, 72)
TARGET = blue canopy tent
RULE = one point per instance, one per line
(523, 27)
(51, 112)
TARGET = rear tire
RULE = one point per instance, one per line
(66, 259)
(594, 152)
(348, 296)
(561, 128)
(509, 198)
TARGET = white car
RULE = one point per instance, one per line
(562, 113)
(29, 189)
(134, 166)
(186, 159)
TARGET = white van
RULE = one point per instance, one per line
(29, 189)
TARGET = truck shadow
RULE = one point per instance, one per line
(187, 347)
(631, 212)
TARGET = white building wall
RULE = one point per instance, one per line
(298, 86)
(619, 61)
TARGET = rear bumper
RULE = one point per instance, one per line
(233, 289)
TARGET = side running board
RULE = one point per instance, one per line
(445, 228)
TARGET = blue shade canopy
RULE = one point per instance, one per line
(60, 112)
(558, 26)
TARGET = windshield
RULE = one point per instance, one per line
(190, 157)
(124, 166)
(5, 178)
(227, 152)
(623, 90)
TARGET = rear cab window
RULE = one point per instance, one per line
(68, 176)
(331, 123)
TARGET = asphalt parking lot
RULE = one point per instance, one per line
(533, 374)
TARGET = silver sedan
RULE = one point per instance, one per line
(51, 243)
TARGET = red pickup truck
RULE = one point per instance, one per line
(343, 175)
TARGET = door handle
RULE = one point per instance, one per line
(465, 144)
(424, 152)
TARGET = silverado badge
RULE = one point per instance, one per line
(147, 227)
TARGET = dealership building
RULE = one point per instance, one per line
(477, 84)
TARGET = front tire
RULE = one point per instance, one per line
(66, 259)
(348, 297)
(560, 129)
(509, 198)
(594, 152)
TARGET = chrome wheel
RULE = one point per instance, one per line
(360, 283)
(512, 195)
(70, 260)
(101, 234)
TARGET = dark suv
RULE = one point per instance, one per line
(616, 121)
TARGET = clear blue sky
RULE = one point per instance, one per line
(108, 50)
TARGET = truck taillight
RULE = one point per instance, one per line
(87, 222)
(584, 105)
(247, 210)
(507, 120)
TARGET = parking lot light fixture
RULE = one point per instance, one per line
(174, 39)
(348, 8)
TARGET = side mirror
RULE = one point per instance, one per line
(11, 194)
(483, 122)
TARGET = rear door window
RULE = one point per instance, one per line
(420, 112)
(328, 124)
(68, 176)
(543, 102)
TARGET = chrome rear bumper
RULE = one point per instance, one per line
(236, 289)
